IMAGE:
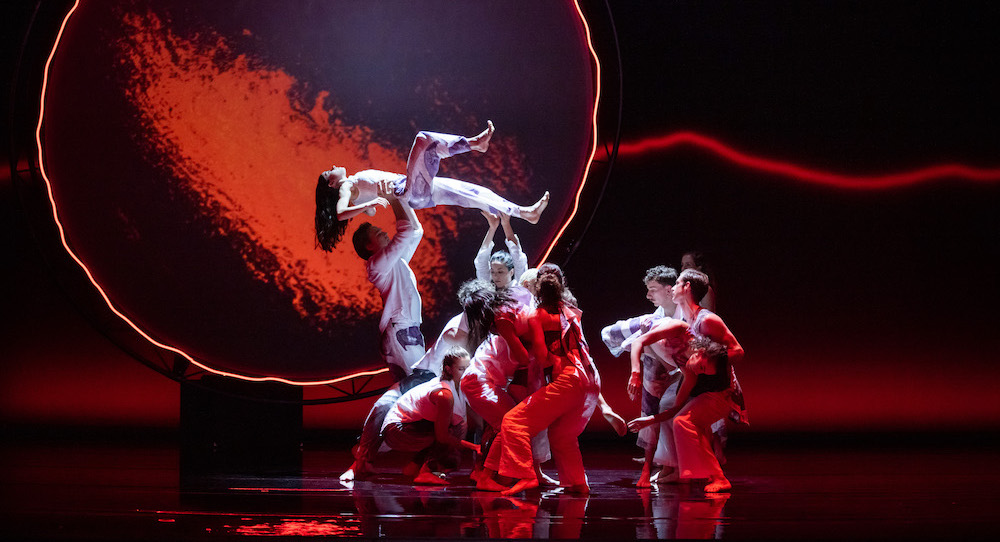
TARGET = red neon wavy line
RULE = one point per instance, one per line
(825, 178)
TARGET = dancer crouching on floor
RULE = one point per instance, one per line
(430, 421)
(468, 329)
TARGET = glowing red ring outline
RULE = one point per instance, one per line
(107, 300)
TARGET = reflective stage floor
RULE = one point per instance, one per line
(784, 487)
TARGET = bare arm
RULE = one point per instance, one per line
(715, 329)
(687, 383)
(493, 222)
(668, 327)
(346, 211)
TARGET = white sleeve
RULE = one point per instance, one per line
(520, 258)
(401, 247)
(482, 262)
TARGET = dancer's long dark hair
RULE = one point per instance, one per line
(329, 230)
(551, 284)
(480, 300)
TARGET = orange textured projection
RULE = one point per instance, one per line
(181, 144)
(237, 140)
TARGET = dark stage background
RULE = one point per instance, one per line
(859, 309)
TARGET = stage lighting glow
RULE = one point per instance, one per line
(180, 144)
(810, 175)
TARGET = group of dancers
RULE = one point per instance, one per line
(515, 360)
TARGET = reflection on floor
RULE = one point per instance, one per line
(786, 488)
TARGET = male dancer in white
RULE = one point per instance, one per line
(657, 370)
(387, 265)
(402, 343)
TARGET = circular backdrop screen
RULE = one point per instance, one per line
(182, 141)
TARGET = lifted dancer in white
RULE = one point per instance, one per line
(340, 197)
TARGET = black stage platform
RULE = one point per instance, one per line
(784, 487)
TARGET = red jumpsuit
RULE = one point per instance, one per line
(563, 406)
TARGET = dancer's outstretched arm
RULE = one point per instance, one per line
(482, 259)
(514, 247)
(663, 329)
(445, 403)
(687, 383)
(346, 211)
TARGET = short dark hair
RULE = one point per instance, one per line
(504, 257)
(666, 276)
(716, 352)
(698, 282)
(361, 238)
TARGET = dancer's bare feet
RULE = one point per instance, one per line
(359, 470)
(482, 141)
(643, 482)
(666, 475)
(487, 483)
(429, 477)
(719, 484)
(616, 421)
(521, 485)
(533, 213)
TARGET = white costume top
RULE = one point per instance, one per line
(367, 183)
(389, 272)
(482, 260)
(493, 360)
(434, 357)
(416, 404)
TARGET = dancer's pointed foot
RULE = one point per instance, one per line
(616, 421)
(534, 213)
(482, 141)
(487, 483)
(719, 484)
(521, 485)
